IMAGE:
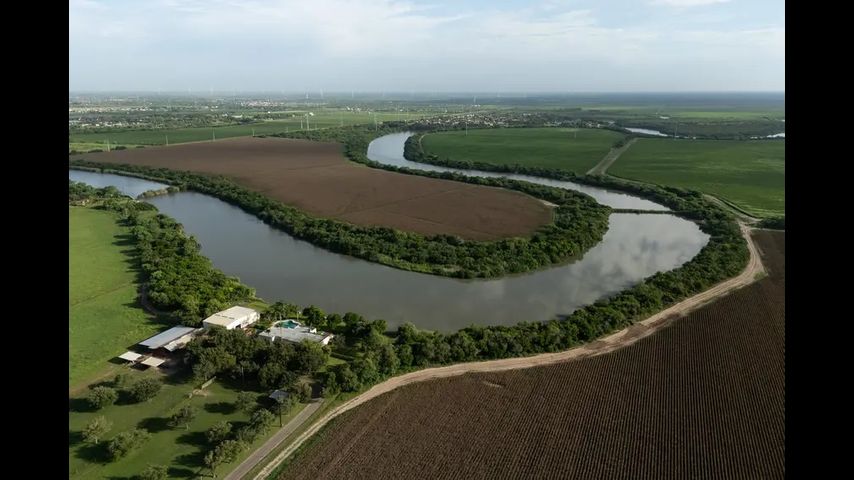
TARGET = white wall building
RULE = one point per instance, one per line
(234, 317)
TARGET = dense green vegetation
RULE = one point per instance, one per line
(749, 173)
(574, 149)
(775, 223)
(119, 427)
(179, 279)
(104, 315)
(579, 223)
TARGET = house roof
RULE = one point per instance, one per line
(229, 316)
(165, 337)
(296, 334)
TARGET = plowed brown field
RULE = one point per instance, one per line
(701, 398)
(318, 179)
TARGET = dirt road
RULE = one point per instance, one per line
(610, 158)
(274, 441)
(607, 344)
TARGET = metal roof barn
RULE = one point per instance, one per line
(166, 337)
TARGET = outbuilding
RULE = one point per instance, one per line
(234, 317)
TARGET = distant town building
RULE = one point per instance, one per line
(292, 331)
(234, 317)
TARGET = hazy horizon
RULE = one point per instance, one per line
(372, 46)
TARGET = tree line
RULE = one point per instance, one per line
(178, 278)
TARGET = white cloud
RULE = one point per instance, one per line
(396, 43)
(687, 3)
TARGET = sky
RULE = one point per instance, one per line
(427, 46)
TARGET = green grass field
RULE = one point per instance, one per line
(750, 174)
(182, 450)
(104, 316)
(566, 148)
(183, 135)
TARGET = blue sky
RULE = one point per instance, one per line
(439, 45)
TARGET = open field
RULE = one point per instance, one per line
(751, 173)
(104, 315)
(182, 450)
(183, 135)
(576, 149)
(702, 397)
(318, 179)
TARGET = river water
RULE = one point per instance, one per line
(281, 267)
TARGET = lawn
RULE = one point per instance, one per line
(750, 174)
(565, 148)
(104, 315)
(183, 135)
(181, 449)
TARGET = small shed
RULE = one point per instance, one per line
(153, 362)
(131, 357)
(279, 395)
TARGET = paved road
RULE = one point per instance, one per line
(274, 441)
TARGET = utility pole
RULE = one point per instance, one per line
(213, 132)
(167, 140)
(108, 144)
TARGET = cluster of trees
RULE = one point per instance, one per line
(226, 442)
(140, 391)
(162, 191)
(180, 279)
(275, 365)
(579, 224)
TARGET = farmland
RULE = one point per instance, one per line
(104, 317)
(702, 397)
(316, 178)
(750, 173)
(575, 149)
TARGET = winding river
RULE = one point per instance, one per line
(281, 267)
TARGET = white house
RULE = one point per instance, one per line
(234, 317)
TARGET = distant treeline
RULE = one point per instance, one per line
(579, 224)
(179, 279)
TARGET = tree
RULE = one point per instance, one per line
(261, 419)
(388, 361)
(154, 472)
(301, 391)
(225, 452)
(314, 316)
(145, 389)
(218, 432)
(347, 380)
(96, 429)
(100, 397)
(275, 375)
(311, 356)
(124, 442)
(246, 402)
(280, 311)
(183, 417)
